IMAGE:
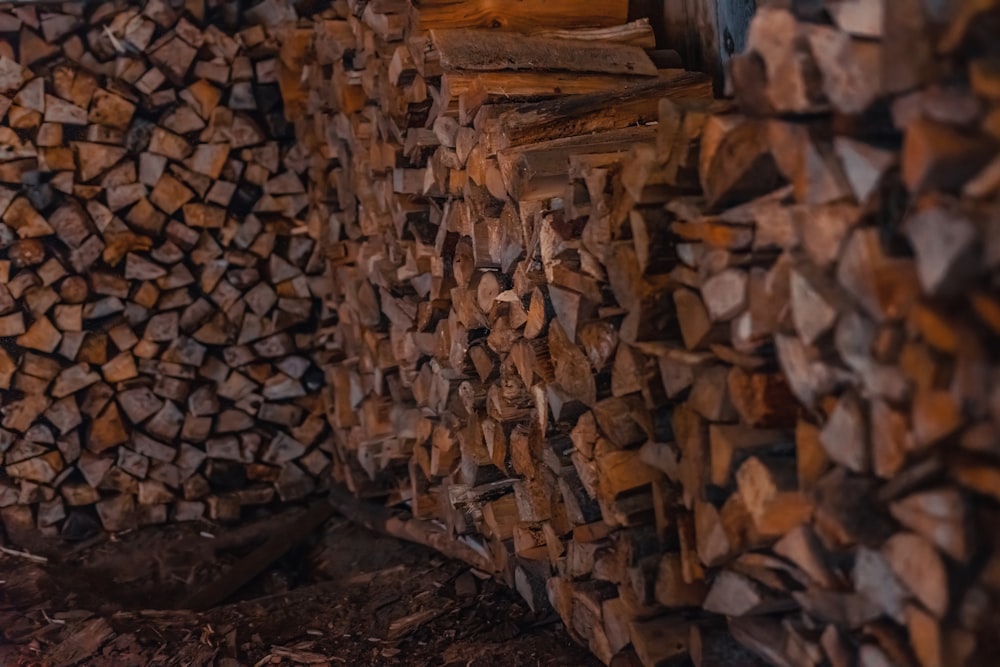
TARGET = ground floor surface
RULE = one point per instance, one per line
(345, 596)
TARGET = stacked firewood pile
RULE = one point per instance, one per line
(159, 287)
(496, 315)
(713, 379)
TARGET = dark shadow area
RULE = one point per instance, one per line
(343, 596)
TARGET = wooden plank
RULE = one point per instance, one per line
(490, 51)
(524, 16)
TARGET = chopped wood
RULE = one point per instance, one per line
(650, 357)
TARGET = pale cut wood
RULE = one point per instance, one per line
(920, 569)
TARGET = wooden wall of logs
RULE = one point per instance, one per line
(159, 286)
(715, 380)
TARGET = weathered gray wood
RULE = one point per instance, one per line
(707, 33)
(733, 24)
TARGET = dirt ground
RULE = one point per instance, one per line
(345, 596)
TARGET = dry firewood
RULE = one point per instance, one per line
(851, 68)
(845, 435)
(761, 400)
(725, 294)
(681, 125)
(935, 416)
(538, 171)
(815, 301)
(920, 569)
(486, 50)
(532, 16)
(12, 325)
(577, 115)
(736, 162)
(905, 67)
(730, 444)
(636, 33)
(672, 590)
(710, 395)
(734, 594)
(95, 159)
(936, 156)
(770, 493)
(481, 239)
(776, 38)
(946, 249)
(864, 164)
(864, 265)
(940, 516)
(621, 472)
(514, 86)
(890, 439)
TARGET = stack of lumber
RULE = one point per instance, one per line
(159, 287)
(712, 379)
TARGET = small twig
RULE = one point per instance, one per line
(24, 554)
(119, 47)
(302, 656)
(55, 621)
